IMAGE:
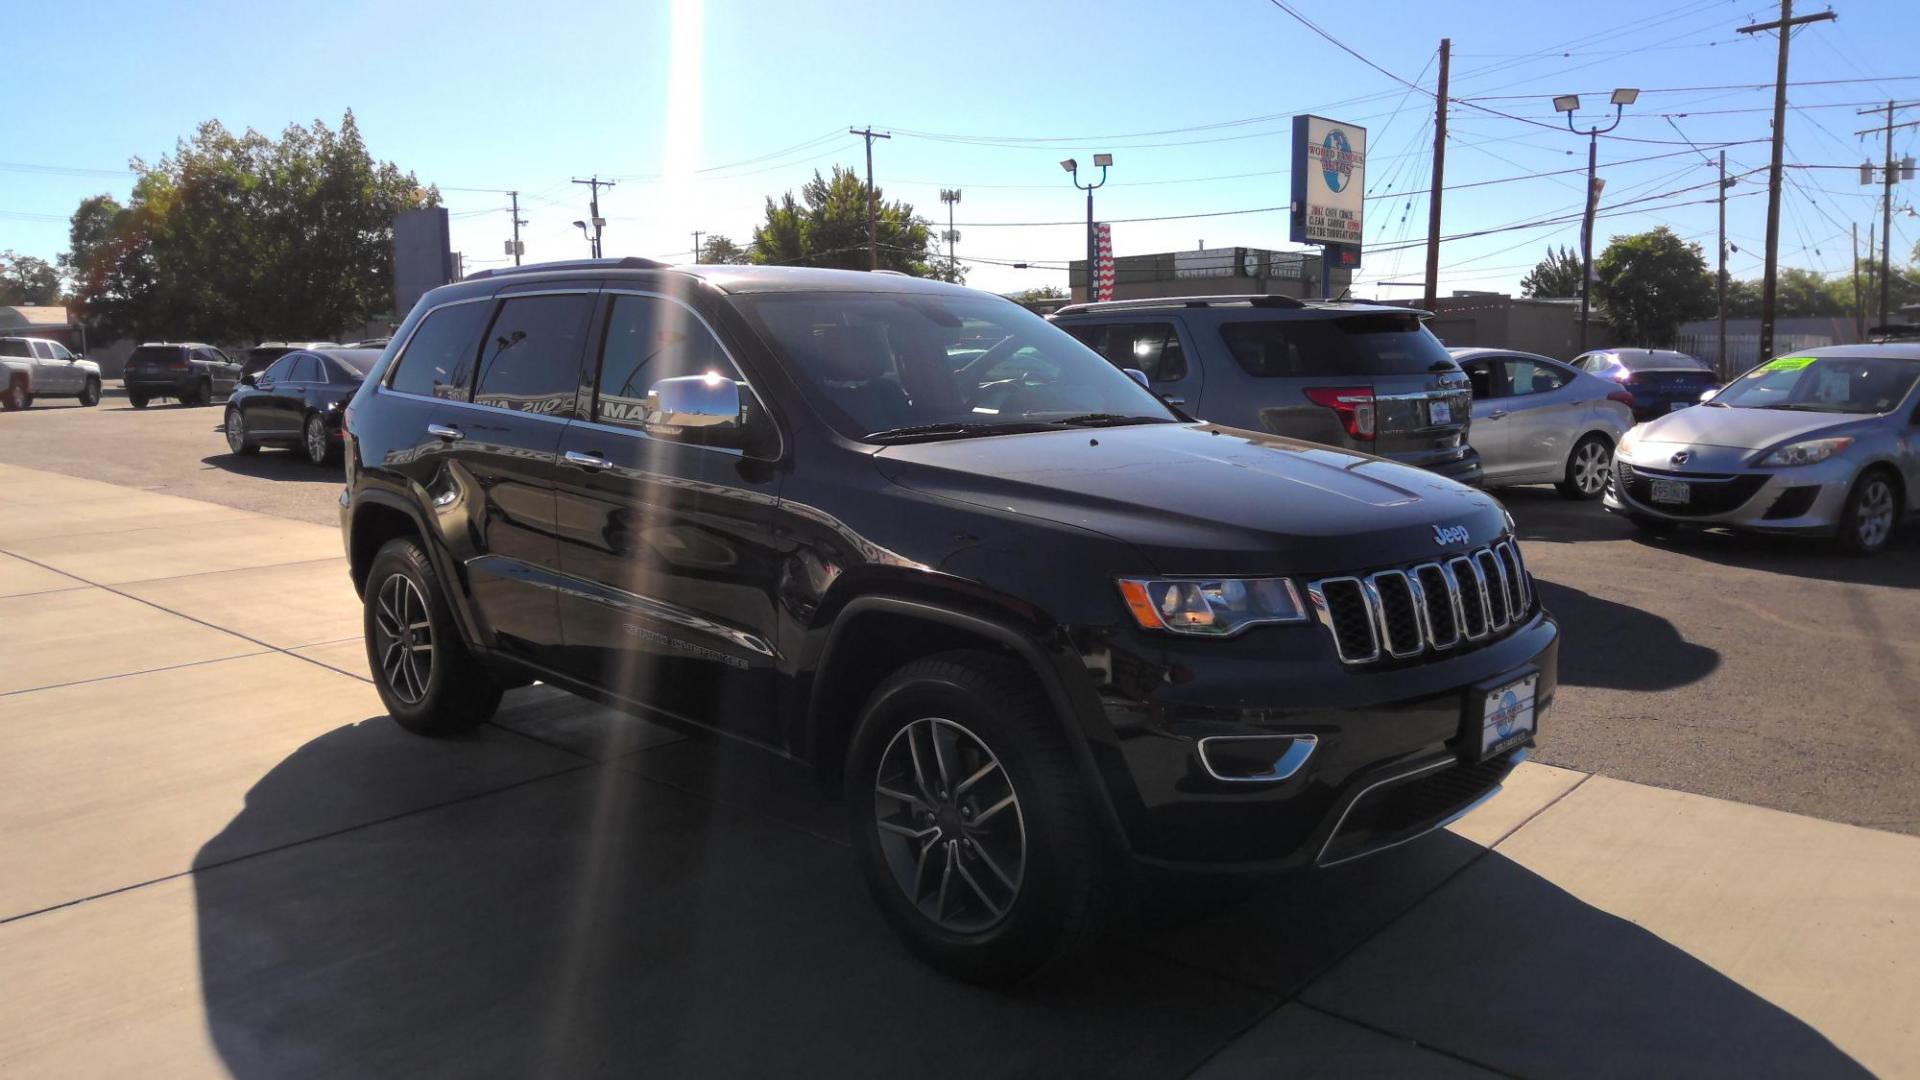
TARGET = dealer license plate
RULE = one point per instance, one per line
(1439, 412)
(1672, 492)
(1508, 718)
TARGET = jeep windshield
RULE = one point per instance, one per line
(894, 367)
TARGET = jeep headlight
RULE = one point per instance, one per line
(1211, 607)
(1811, 452)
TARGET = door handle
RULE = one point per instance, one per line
(589, 462)
(1175, 400)
(446, 432)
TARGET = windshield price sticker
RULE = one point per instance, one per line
(1785, 363)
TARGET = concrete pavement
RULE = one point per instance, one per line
(217, 856)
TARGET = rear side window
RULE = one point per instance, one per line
(278, 370)
(1384, 344)
(439, 358)
(14, 347)
(305, 369)
(530, 358)
(1533, 377)
(649, 339)
(1152, 347)
(42, 350)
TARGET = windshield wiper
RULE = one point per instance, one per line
(1105, 419)
(948, 430)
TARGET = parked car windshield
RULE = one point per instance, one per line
(887, 366)
(1388, 343)
(1841, 384)
(1655, 360)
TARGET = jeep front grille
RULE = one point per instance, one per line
(1406, 612)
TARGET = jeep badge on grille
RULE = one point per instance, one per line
(1449, 534)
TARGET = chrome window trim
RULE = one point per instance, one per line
(636, 433)
(493, 410)
(1284, 768)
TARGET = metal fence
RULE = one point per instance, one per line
(1743, 350)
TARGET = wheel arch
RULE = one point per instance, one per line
(872, 636)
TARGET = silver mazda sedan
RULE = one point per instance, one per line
(1825, 442)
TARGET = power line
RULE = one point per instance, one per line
(1726, 86)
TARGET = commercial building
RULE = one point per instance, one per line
(1223, 271)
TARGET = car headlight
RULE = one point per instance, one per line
(1211, 607)
(1627, 442)
(1811, 452)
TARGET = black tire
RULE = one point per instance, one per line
(236, 431)
(200, 395)
(1871, 515)
(1065, 883)
(90, 394)
(317, 453)
(1588, 464)
(455, 693)
(16, 396)
(137, 400)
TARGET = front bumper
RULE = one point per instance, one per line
(1391, 761)
(1804, 499)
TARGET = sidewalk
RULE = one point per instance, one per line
(218, 857)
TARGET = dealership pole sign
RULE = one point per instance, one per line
(1103, 272)
(1329, 181)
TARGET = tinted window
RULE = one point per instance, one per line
(305, 369)
(649, 339)
(347, 367)
(530, 357)
(1386, 344)
(1153, 348)
(165, 354)
(278, 370)
(1480, 374)
(439, 358)
(41, 350)
(1533, 377)
(875, 362)
(1643, 359)
(14, 347)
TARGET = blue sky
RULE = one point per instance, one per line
(682, 102)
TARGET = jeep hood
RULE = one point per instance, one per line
(1203, 499)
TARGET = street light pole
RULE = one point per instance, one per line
(1569, 104)
(1104, 161)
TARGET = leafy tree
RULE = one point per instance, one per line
(1035, 295)
(244, 237)
(1743, 299)
(827, 226)
(1557, 275)
(1903, 288)
(719, 250)
(1652, 282)
(90, 232)
(27, 280)
(1799, 292)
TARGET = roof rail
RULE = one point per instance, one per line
(629, 262)
(1266, 300)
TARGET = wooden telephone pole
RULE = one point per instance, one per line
(873, 229)
(1439, 176)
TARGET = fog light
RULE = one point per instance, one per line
(1256, 758)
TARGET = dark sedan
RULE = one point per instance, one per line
(1660, 380)
(297, 402)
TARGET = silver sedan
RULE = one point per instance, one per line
(1539, 421)
(1825, 442)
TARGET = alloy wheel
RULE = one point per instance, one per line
(1591, 464)
(950, 825)
(1874, 518)
(236, 431)
(403, 638)
(316, 440)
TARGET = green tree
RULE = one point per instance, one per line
(1805, 292)
(827, 226)
(90, 233)
(1652, 282)
(1903, 288)
(244, 237)
(27, 280)
(1557, 275)
(1038, 294)
(719, 250)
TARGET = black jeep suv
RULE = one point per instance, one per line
(1039, 628)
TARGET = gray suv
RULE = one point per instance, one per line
(1359, 376)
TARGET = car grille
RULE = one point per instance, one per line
(1408, 612)
(1712, 493)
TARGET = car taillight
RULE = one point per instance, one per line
(177, 365)
(1353, 404)
(1621, 396)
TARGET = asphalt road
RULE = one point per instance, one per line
(1768, 672)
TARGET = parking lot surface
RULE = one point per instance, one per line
(1778, 674)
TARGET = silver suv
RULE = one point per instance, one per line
(1359, 376)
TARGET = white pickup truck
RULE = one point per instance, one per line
(38, 367)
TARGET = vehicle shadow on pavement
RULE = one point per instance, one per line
(273, 463)
(598, 922)
(1897, 567)
(1618, 646)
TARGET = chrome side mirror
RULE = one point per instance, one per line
(697, 408)
(1138, 376)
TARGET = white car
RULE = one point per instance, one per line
(38, 367)
(1539, 421)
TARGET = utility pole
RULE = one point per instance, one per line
(517, 222)
(1726, 369)
(873, 227)
(1769, 281)
(697, 234)
(1886, 194)
(1859, 312)
(950, 196)
(593, 207)
(1439, 176)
